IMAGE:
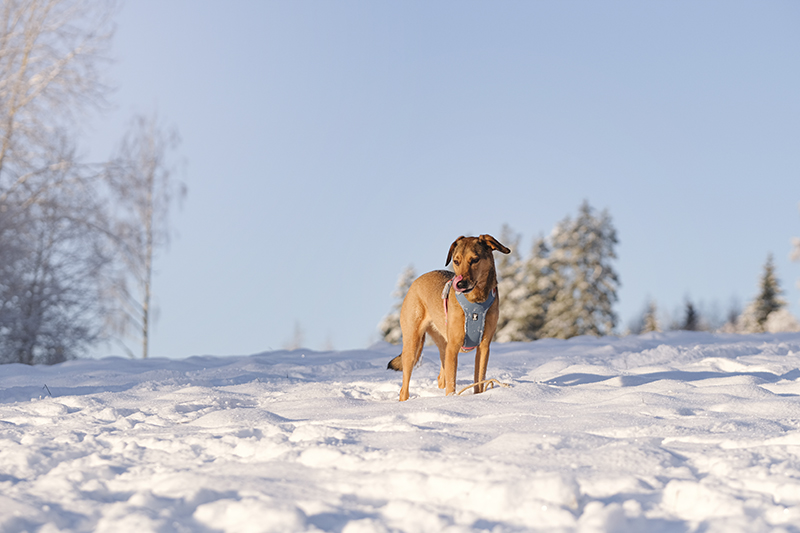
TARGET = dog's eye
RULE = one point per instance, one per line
(473, 260)
(456, 262)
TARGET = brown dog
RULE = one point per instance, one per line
(431, 307)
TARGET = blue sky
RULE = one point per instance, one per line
(327, 145)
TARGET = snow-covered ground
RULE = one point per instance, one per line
(659, 433)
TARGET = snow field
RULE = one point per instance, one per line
(662, 432)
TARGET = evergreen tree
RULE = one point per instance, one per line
(769, 297)
(731, 317)
(781, 320)
(541, 287)
(766, 312)
(509, 280)
(532, 292)
(390, 325)
(747, 322)
(650, 319)
(646, 322)
(691, 318)
(583, 279)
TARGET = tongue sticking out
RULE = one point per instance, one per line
(455, 283)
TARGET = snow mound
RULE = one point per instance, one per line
(660, 432)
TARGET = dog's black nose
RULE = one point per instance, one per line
(462, 284)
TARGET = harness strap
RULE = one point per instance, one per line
(445, 297)
(474, 315)
(474, 319)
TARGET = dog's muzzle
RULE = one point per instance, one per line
(461, 285)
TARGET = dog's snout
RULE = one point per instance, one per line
(462, 284)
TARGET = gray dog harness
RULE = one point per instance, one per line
(474, 316)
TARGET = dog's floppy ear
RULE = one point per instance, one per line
(493, 244)
(452, 247)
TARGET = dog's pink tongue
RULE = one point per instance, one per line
(455, 283)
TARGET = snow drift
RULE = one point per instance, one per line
(661, 432)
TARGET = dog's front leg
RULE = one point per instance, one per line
(450, 368)
(482, 352)
(481, 362)
(455, 340)
(441, 379)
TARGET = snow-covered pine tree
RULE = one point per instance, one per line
(767, 311)
(531, 294)
(747, 323)
(559, 321)
(731, 317)
(769, 297)
(539, 290)
(583, 277)
(780, 321)
(650, 318)
(509, 279)
(390, 325)
(646, 321)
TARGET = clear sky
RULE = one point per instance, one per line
(328, 145)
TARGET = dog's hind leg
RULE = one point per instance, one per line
(396, 363)
(441, 343)
(412, 350)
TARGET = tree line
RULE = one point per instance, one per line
(767, 312)
(77, 239)
(567, 286)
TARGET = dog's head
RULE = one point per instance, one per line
(473, 262)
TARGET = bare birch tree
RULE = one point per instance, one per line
(51, 58)
(144, 189)
(51, 54)
(48, 291)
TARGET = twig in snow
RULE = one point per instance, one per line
(491, 382)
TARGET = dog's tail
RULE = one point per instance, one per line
(395, 364)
